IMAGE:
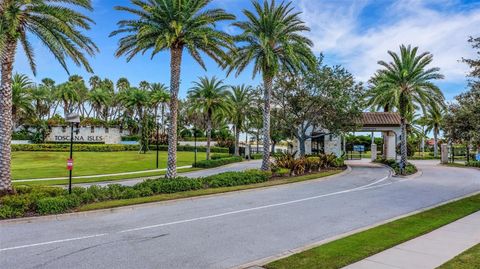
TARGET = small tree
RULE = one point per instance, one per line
(327, 98)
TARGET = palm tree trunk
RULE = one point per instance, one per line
(435, 141)
(267, 81)
(6, 117)
(176, 60)
(209, 133)
(237, 141)
(403, 145)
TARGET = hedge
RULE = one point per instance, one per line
(217, 162)
(409, 169)
(37, 200)
(105, 148)
(473, 164)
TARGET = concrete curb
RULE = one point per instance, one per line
(257, 264)
(65, 216)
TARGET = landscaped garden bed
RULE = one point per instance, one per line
(410, 169)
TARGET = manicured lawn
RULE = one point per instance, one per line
(467, 260)
(101, 179)
(30, 165)
(187, 194)
(353, 248)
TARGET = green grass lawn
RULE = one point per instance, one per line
(30, 165)
(353, 248)
(467, 260)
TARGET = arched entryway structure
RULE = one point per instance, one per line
(389, 124)
(322, 141)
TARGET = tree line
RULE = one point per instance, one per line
(271, 38)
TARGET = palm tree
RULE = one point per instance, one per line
(21, 99)
(407, 81)
(99, 99)
(159, 96)
(123, 84)
(174, 25)
(272, 40)
(209, 97)
(433, 119)
(58, 27)
(240, 98)
(138, 100)
(68, 95)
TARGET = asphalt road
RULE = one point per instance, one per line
(228, 230)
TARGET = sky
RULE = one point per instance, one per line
(352, 33)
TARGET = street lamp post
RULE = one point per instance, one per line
(195, 145)
(156, 121)
(72, 119)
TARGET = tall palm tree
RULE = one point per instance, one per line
(407, 80)
(99, 99)
(21, 99)
(58, 27)
(272, 39)
(174, 25)
(209, 97)
(241, 98)
(433, 119)
(138, 101)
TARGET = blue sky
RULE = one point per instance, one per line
(353, 33)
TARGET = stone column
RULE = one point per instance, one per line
(444, 153)
(373, 152)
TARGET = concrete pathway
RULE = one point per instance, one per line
(241, 166)
(428, 251)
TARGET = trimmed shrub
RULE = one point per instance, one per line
(217, 156)
(256, 156)
(158, 186)
(409, 169)
(56, 205)
(217, 162)
(230, 179)
(473, 164)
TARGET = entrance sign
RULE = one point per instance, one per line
(70, 164)
(359, 148)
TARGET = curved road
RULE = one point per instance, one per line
(228, 230)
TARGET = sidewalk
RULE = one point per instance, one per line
(234, 167)
(428, 251)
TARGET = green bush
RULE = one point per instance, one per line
(217, 162)
(56, 205)
(158, 186)
(230, 179)
(130, 138)
(105, 148)
(409, 169)
(36, 200)
(217, 156)
(257, 156)
(474, 164)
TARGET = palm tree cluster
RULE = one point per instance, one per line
(271, 39)
(405, 85)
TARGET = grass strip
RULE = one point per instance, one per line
(187, 194)
(60, 182)
(466, 260)
(356, 247)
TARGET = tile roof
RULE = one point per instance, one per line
(380, 119)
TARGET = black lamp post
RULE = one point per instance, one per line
(72, 119)
(195, 145)
(156, 121)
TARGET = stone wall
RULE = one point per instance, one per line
(91, 134)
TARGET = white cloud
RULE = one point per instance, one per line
(337, 29)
